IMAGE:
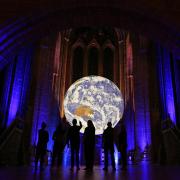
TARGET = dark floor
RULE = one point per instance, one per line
(143, 171)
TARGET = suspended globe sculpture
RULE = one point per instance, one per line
(95, 98)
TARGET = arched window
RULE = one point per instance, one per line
(77, 65)
(93, 61)
(108, 63)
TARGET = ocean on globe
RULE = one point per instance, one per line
(94, 98)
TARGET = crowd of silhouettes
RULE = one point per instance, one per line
(61, 137)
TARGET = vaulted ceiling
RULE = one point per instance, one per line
(166, 11)
(23, 21)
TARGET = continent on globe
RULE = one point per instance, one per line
(83, 111)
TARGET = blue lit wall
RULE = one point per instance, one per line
(177, 87)
(16, 86)
(165, 84)
(142, 121)
(20, 84)
(4, 105)
(129, 122)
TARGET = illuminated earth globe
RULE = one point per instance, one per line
(94, 98)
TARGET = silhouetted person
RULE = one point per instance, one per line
(123, 145)
(89, 144)
(43, 138)
(59, 142)
(108, 145)
(74, 137)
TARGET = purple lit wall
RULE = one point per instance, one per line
(165, 84)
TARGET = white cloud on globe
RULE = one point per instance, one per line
(94, 98)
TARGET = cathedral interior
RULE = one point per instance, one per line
(45, 46)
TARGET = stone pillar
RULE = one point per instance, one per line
(154, 104)
(85, 69)
(141, 93)
(100, 62)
